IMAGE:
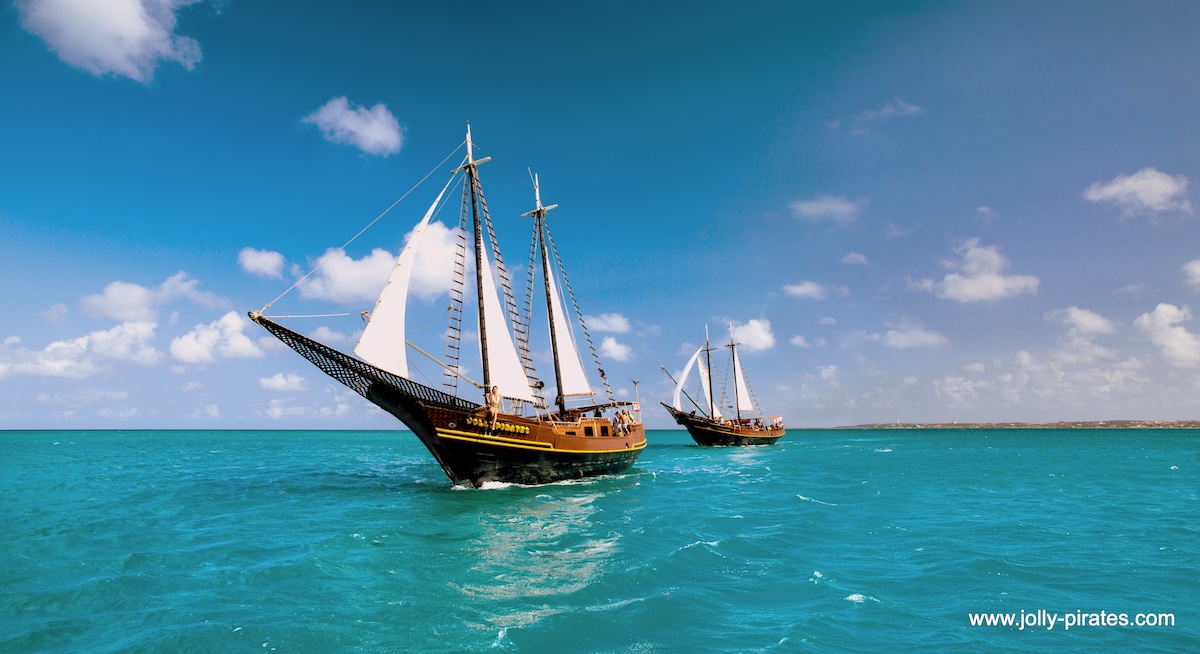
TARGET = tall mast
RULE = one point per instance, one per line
(473, 183)
(737, 406)
(539, 217)
(712, 407)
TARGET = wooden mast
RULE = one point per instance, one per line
(539, 217)
(712, 399)
(737, 406)
(477, 227)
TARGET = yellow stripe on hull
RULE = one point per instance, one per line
(734, 433)
(525, 445)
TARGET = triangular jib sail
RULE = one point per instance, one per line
(382, 341)
(705, 384)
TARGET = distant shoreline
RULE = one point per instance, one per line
(1065, 424)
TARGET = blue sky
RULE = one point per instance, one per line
(926, 211)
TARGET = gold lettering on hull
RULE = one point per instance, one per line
(507, 427)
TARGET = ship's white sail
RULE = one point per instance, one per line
(705, 382)
(382, 341)
(744, 403)
(504, 366)
(683, 378)
(574, 379)
(705, 385)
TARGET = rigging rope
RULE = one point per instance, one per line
(361, 231)
(311, 315)
(579, 314)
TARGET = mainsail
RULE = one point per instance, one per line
(503, 365)
(744, 403)
(706, 386)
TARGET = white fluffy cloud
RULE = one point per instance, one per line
(262, 263)
(1146, 192)
(608, 322)
(84, 356)
(754, 335)
(125, 301)
(374, 130)
(907, 337)
(222, 338)
(126, 38)
(122, 301)
(805, 289)
(1180, 347)
(329, 336)
(1077, 345)
(1191, 272)
(1082, 320)
(282, 382)
(840, 210)
(862, 122)
(978, 277)
(855, 258)
(56, 314)
(890, 109)
(343, 279)
(611, 349)
(959, 391)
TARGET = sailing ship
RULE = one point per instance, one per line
(706, 423)
(501, 429)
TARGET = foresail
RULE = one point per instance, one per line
(744, 403)
(504, 366)
(574, 379)
(683, 378)
(382, 341)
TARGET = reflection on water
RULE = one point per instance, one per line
(529, 552)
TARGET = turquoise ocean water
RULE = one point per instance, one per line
(830, 541)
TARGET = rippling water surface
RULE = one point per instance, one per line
(830, 541)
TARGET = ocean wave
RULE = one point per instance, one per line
(809, 499)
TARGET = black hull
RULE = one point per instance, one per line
(477, 457)
(447, 425)
(711, 433)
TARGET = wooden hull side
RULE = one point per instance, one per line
(712, 433)
(520, 450)
(477, 461)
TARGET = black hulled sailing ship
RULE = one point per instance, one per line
(518, 436)
(705, 422)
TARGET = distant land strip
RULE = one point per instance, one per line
(1066, 424)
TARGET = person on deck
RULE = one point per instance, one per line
(493, 399)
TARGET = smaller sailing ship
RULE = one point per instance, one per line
(706, 422)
